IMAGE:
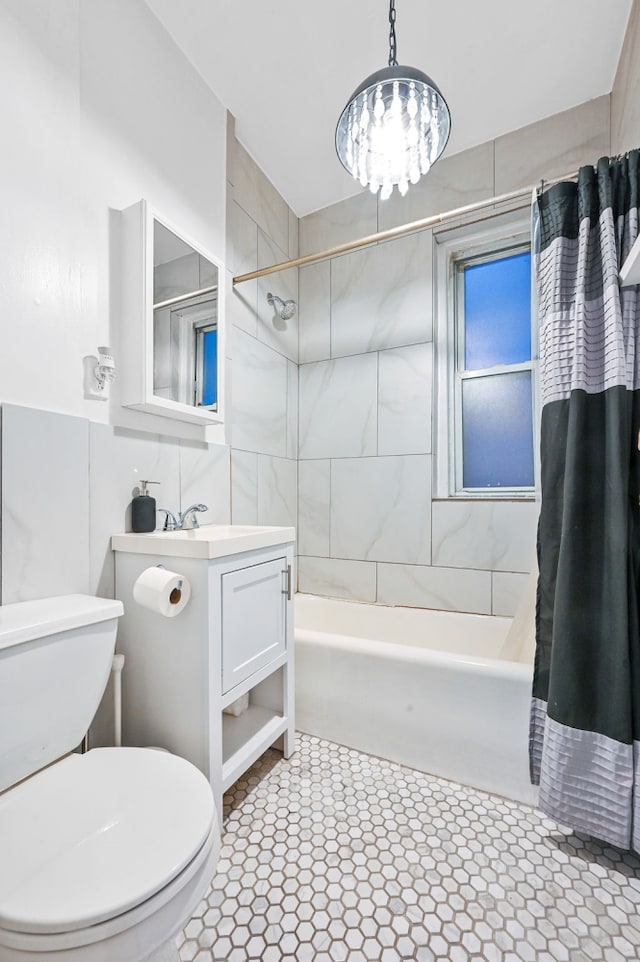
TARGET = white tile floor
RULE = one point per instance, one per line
(335, 856)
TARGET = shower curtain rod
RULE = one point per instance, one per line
(400, 231)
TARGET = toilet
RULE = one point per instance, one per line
(104, 855)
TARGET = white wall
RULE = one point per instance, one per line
(103, 109)
(100, 110)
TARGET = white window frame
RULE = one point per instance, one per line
(488, 238)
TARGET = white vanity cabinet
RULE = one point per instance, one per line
(235, 636)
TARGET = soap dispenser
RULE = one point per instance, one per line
(143, 510)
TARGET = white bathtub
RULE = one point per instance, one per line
(428, 689)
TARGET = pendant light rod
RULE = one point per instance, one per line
(393, 46)
(400, 231)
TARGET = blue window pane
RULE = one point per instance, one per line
(497, 312)
(497, 431)
(209, 368)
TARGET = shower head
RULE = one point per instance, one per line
(284, 309)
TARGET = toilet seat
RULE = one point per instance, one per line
(92, 842)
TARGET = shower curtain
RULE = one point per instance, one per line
(585, 716)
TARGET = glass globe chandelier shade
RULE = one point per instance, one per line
(394, 127)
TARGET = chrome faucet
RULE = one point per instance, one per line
(183, 517)
(171, 523)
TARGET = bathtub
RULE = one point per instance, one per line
(428, 689)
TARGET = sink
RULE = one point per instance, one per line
(207, 541)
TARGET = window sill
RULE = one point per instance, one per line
(488, 497)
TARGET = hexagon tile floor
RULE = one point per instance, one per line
(335, 856)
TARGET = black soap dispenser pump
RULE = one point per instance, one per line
(143, 510)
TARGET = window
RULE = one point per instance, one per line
(206, 364)
(186, 351)
(486, 362)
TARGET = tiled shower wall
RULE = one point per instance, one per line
(261, 230)
(368, 526)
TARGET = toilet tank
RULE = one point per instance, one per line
(55, 660)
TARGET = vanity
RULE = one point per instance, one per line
(233, 638)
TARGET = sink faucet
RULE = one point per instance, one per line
(171, 523)
(183, 517)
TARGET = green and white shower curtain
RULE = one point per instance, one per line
(585, 716)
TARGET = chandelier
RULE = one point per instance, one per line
(394, 126)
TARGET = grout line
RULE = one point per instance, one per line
(1, 498)
(330, 500)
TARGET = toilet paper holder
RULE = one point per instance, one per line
(177, 590)
(162, 590)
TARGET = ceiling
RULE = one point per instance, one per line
(285, 68)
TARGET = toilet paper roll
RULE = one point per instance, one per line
(163, 591)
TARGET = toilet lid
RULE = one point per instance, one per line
(94, 835)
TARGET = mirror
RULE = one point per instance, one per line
(185, 322)
(171, 341)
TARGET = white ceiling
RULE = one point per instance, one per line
(285, 68)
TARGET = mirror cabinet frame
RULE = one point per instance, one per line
(136, 342)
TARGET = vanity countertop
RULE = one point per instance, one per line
(207, 541)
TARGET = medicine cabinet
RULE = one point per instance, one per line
(172, 355)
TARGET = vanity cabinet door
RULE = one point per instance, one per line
(253, 619)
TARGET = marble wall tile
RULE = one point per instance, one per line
(244, 487)
(259, 407)
(0, 504)
(279, 334)
(119, 458)
(258, 197)
(338, 402)
(339, 223)
(242, 239)
(444, 588)
(314, 480)
(240, 309)
(381, 296)
(45, 504)
(205, 477)
(507, 590)
(493, 535)
(553, 147)
(405, 376)
(242, 257)
(355, 580)
(315, 312)
(453, 182)
(231, 148)
(625, 103)
(277, 491)
(229, 338)
(380, 509)
(292, 410)
(294, 233)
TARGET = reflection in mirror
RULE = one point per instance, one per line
(185, 322)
